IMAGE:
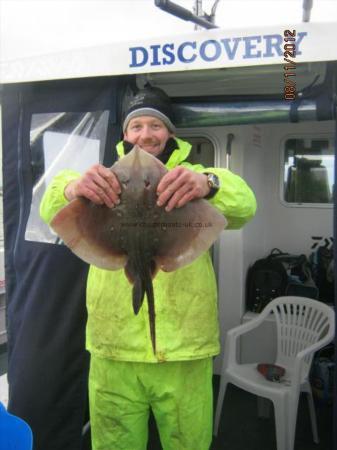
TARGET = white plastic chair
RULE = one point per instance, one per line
(303, 327)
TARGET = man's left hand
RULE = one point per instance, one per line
(180, 186)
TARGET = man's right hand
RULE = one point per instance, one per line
(98, 184)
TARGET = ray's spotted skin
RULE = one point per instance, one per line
(138, 234)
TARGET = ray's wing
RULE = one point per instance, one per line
(89, 231)
(99, 235)
(187, 232)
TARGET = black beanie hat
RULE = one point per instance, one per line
(150, 101)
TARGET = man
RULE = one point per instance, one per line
(126, 378)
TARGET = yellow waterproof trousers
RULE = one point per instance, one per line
(179, 393)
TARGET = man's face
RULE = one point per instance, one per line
(150, 133)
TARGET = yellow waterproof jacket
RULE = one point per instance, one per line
(185, 300)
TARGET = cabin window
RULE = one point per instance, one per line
(61, 141)
(202, 151)
(308, 172)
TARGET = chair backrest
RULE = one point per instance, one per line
(300, 322)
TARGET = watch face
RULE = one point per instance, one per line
(213, 181)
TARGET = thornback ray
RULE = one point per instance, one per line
(138, 235)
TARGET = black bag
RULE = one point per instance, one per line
(322, 374)
(322, 263)
(276, 275)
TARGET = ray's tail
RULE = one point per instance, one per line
(152, 313)
(142, 283)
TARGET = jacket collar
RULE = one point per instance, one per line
(177, 156)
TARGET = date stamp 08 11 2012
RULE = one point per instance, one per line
(289, 56)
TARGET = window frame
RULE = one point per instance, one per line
(325, 136)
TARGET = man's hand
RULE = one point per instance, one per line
(98, 184)
(180, 186)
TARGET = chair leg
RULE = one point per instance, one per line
(292, 418)
(263, 407)
(222, 391)
(312, 413)
(281, 424)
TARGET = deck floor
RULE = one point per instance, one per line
(240, 427)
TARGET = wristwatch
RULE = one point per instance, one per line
(213, 183)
